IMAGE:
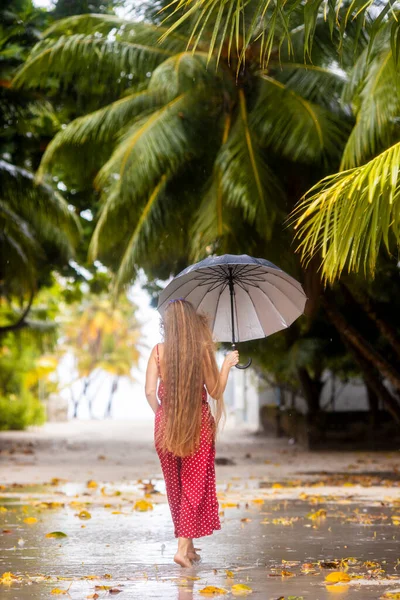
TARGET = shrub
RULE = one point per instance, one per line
(17, 412)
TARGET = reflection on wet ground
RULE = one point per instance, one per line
(120, 540)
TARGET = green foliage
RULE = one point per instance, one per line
(32, 217)
(238, 25)
(182, 139)
(347, 216)
(38, 231)
(18, 412)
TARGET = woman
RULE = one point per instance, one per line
(185, 429)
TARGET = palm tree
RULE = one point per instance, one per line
(349, 216)
(238, 26)
(36, 225)
(35, 222)
(188, 155)
(103, 338)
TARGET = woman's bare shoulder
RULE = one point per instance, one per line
(158, 348)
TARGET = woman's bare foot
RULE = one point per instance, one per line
(182, 560)
(192, 554)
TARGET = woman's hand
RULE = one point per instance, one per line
(231, 359)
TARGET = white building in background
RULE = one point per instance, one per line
(242, 399)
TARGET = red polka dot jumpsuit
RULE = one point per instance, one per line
(190, 480)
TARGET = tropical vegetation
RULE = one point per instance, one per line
(199, 128)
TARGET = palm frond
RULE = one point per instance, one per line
(348, 216)
(376, 106)
(144, 229)
(181, 73)
(159, 143)
(247, 181)
(70, 57)
(113, 27)
(296, 128)
(98, 129)
(19, 248)
(154, 145)
(237, 24)
(40, 206)
(318, 84)
(212, 219)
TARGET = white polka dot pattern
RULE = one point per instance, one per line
(190, 481)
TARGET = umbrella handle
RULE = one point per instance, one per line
(246, 366)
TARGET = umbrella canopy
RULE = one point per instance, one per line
(245, 298)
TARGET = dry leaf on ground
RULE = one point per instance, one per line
(84, 514)
(211, 590)
(142, 505)
(337, 576)
(240, 589)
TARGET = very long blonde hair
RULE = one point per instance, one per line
(188, 353)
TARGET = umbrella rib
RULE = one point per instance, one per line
(273, 306)
(207, 291)
(256, 311)
(279, 290)
(289, 282)
(171, 294)
(220, 273)
(216, 310)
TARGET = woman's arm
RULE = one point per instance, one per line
(216, 387)
(151, 382)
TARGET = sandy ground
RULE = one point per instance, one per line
(123, 450)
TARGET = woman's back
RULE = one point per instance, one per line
(161, 384)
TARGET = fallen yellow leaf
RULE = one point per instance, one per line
(92, 484)
(229, 505)
(337, 576)
(391, 595)
(56, 534)
(51, 505)
(319, 514)
(8, 578)
(230, 574)
(3, 509)
(211, 590)
(142, 505)
(240, 589)
(258, 500)
(102, 587)
(337, 588)
(58, 591)
(84, 514)
(30, 520)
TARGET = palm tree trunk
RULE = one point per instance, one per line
(114, 388)
(384, 327)
(373, 403)
(360, 343)
(364, 356)
(311, 389)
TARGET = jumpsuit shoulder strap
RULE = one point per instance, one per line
(158, 362)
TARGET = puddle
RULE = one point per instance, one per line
(264, 544)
